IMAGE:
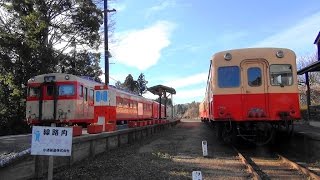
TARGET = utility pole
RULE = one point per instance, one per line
(106, 50)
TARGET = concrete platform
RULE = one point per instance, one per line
(310, 129)
(315, 123)
(85, 146)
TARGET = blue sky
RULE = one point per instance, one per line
(172, 41)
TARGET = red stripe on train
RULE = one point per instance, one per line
(241, 107)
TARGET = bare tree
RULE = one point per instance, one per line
(314, 80)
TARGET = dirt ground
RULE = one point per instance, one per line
(171, 154)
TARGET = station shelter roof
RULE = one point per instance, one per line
(310, 68)
(160, 89)
(316, 65)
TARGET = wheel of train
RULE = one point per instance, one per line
(260, 133)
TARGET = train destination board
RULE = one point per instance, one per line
(52, 141)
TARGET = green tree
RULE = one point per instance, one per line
(130, 84)
(83, 63)
(119, 85)
(36, 37)
(314, 81)
(142, 84)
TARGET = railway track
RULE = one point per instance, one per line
(270, 165)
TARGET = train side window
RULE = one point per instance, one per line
(105, 96)
(80, 91)
(98, 96)
(86, 94)
(128, 103)
(281, 75)
(91, 94)
(134, 104)
(50, 90)
(228, 76)
(125, 103)
(119, 102)
(254, 76)
(66, 90)
(33, 91)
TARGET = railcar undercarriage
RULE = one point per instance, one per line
(259, 133)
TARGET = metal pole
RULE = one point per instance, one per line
(50, 165)
(165, 104)
(172, 110)
(160, 106)
(308, 94)
(106, 49)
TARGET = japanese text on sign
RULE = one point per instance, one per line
(55, 141)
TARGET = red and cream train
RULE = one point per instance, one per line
(69, 99)
(251, 92)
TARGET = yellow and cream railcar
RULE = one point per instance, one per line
(252, 90)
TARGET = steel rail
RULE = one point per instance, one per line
(256, 176)
(251, 170)
(300, 168)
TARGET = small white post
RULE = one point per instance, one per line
(196, 175)
(50, 165)
(205, 148)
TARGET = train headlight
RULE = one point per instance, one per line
(228, 56)
(32, 79)
(280, 54)
(67, 77)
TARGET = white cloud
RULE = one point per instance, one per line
(142, 48)
(113, 78)
(298, 38)
(162, 5)
(149, 95)
(187, 81)
(187, 96)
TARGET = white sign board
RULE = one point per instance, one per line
(196, 175)
(52, 141)
(205, 148)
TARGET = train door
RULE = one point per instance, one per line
(254, 88)
(91, 103)
(80, 103)
(86, 103)
(48, 99)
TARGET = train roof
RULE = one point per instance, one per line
(62, 77)
(252, 53)
(127, 92)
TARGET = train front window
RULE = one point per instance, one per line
(254, 76)
(33, 91)
(228, 76)
(281, 75)
(66, 90)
